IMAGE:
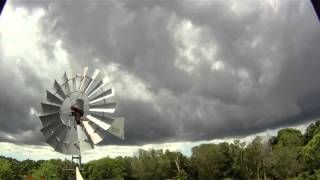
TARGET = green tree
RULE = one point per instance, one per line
(178, 162)
(151, 165)
(311, 131)
(6, 172)
(53, 170)
(127, 165)
(286, 158)
(212, 161)
(182, 175)
(257, 159)
(237, 151)
(105, 168)
(289, 137)
(26, 167)
(311, 153)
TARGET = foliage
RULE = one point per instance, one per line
(151, 164)
(6, 172)
(288, 155)
(105, 168)
(52, 169)
(257, 159)
(212, 161)
(311, 131)
(182, 175)
(311, 153)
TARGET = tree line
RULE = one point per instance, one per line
(289, 155)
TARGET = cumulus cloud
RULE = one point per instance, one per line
(182, 70)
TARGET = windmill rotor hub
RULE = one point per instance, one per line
(77, 110)
(75, 104)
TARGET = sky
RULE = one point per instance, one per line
(185, 72)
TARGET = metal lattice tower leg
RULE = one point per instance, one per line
(76, 159)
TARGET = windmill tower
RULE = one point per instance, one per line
(78, 115)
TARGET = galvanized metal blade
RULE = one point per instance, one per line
(96, 88)
(104, 95)
(93, 132)
(49, 118)
(84, 139)
(117, 128)
(98, 122)
(53, 98)
(48, 108)
(65, 85)
(93, 78)
(83, 78)
(58, 89)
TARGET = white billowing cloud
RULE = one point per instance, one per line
(126, 84)
(274, 4)
(22, 152)
(191, 46)
(242, 9)
(19, 31)
(21, 42)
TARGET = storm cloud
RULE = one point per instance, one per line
(182, 70)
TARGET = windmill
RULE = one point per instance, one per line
(78, 114)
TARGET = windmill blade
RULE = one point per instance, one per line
(94, 76)
(98, 122)
(57, 138)
(83, 138)
(117, 128)
(62, 148)
(104, 95)
(108, 108)
(105, 110)
(66, 88)
(59, 134)
(67, 148)
(73, 84)
(83, 78)
(71, 136)
(70, 141)
(65, 77)
(58, 89)
(49, 118)
(48, 108)
(53, 142)
(86, 83)
(93, 132)
(96, 88)
(53, 98)
(51, 128)
(66, 83)
(76, 83)
(100, 116)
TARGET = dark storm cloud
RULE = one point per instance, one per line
(19, 92)
(270, 58)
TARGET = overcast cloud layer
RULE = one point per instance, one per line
(183, 70)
